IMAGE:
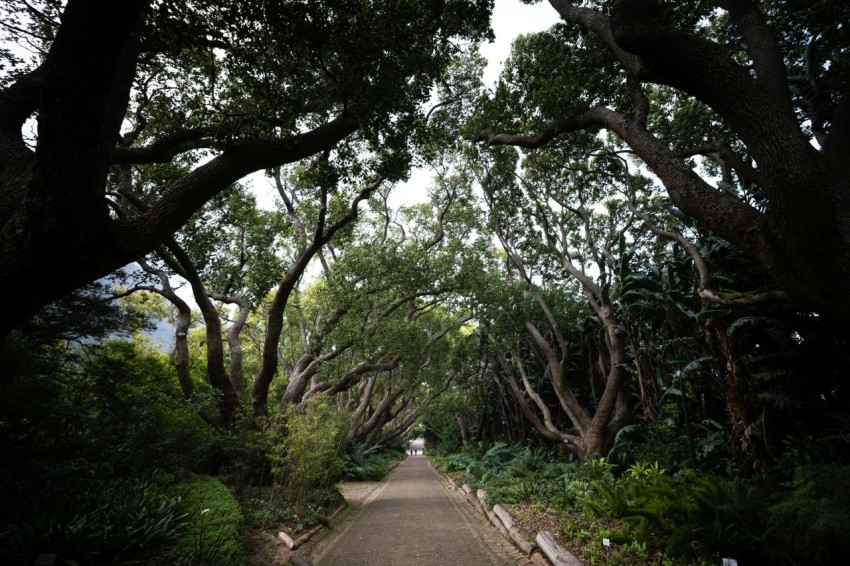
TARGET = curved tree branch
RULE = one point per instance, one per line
(722, 213)
(162, 150)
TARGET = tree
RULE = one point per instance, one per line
(742, 86)
(373, 331)
(323, 229)
(201, 255)
(553, 242)
(255, 85)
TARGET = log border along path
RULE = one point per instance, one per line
(413, 519)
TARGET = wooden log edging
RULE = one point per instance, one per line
(498, 524)
(557, 554)
(543, 551)
(516, 536)
(491, 514)
(536, 554)
(294, 543)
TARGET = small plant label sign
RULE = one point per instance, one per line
(607, 542)
(729, 562)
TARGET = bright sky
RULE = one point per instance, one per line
(510, 19)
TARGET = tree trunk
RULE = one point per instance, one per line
(233, 343)
(182, 321)
(228, 400)
(463, 438)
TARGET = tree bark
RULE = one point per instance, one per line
(228, 399)
(233, 343)
(54, 213)
(182, 322)
(53, 248)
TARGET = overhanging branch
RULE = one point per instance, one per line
(164, 149)
(192, 191)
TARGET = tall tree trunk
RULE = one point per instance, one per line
(233, 343)
(182, 321)
(228, 401)
(274, 327)
(463, 438)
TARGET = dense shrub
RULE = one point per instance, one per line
(693, 517)
(696, 516)
(368, 464)
(116, 404)
(90, 446)
(308, 447)
(214, 525)
(264, 512)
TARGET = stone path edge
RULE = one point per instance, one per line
(544, 551)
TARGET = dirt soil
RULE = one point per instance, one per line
(265, 549)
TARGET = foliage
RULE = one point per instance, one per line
(241, 455)
(661, 439)
(516, 474)
(87, 314)
(811, 523)
(213, 534)
(309, 448)
(91, 476)
(85, 514)
(368, 464)
(263, 511)
(699, 515)
(211, 79)
(114, 402)
(730, 399)
(694, 516)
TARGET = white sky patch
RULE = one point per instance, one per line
(510, 19)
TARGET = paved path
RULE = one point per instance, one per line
(412, 520)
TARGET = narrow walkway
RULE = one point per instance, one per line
(413, 521)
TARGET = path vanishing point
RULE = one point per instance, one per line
(413, 520)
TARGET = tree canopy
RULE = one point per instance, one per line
(246, 87)
(634, 245)
(700, 90)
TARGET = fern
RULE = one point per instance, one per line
(702, 364)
